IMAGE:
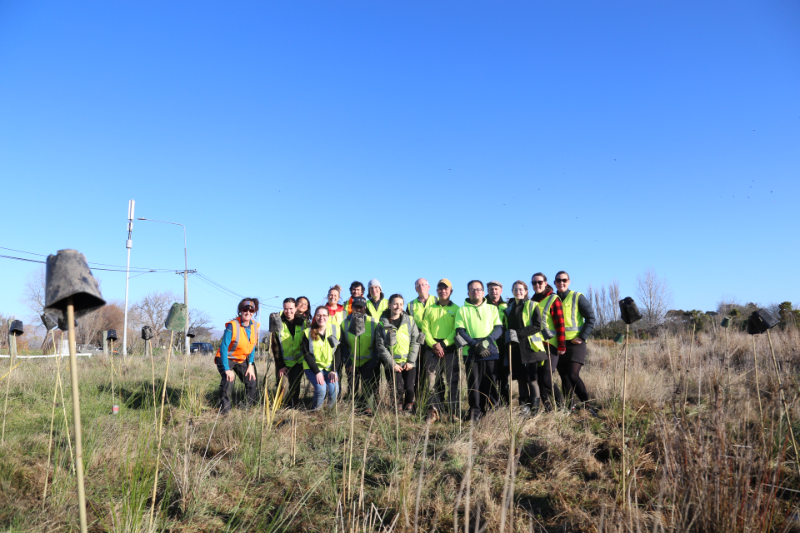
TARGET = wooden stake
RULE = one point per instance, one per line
(111, 360)
(76, 413)
(783, 403)
(159, 429)
(758, 387)
(52, 414)
(624, 390)
(12, 349)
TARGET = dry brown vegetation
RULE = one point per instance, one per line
(700, 456)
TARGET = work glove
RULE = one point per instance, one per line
(511, 336)
(275, 323)
(482, 349)
(333, 341)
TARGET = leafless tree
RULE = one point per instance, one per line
(613, 299)
(33, 292)
(654, 295)
(153, 309)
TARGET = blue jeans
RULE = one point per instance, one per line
(320, 391)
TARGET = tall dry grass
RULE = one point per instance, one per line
(700, 456)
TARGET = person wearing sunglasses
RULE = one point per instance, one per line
(555, 338)
(478, 325)
(579, 322)
(236, 354)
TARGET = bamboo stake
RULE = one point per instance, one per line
(52, 414)
(12, 348)
(421, 476)
(60, 383)
(263, 422)
(76, 413)
(783, 402)
(159, 429)
(111, 360)
(727, 364)
(758, 387)
(624, 390)
(352, 419)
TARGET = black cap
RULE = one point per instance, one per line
(359, 301)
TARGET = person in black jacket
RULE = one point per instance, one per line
(524, 359)
(579, 321)
(285, 348)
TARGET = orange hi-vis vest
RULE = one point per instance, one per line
(241, 347)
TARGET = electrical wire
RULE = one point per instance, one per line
(121, 268)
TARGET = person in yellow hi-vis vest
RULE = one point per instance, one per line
(285, 348)
(376, 303)
(578, 324)
(320, 348)
(478, 325)
(236, 354)
(397, 342)
(523, 321)
(336, 312)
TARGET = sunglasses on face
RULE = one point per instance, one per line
(538, 282)
(562, 280)
(248, 309)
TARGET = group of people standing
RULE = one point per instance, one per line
(421, 345)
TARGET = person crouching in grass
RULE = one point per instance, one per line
(320, 358)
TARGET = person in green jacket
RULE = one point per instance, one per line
(441, 353)
(479, 326)
(416, 310)
(361, 360)
(397, 342)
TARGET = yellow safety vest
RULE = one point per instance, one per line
(376, 313)
(400, 350)
(536, 341)
(573, 320)
(321, 348)
(416, 309)
(290, 346)
(360, 348)
(544, 307)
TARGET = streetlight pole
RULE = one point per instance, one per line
(128, 245)
(185, 279)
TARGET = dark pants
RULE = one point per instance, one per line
(527, 377)
(225, 386)
(483, 392)
(441, 372)
(404, 385)
(293, 383)
(569, 368)
(545, 379)
(365, 384)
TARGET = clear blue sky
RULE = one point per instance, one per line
(310, 143)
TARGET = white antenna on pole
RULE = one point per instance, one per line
(128, 245)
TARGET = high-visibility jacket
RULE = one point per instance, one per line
(536, 342)
(321, 348)
(439, 322)
(290, 345)
(337, 317)
(242, 344)
(416, 309)
(573, 320)
(547, 318)
(501, 308)
(478, 320)
(361, 347)
(383, 305)
(406, 336)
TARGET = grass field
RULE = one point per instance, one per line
(707, 447)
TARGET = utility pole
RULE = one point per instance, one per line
(128, 245)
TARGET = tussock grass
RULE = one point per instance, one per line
(699, 455)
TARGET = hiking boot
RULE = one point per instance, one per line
(368, 412)
(455, 419)
(408, 409)
(537, 404)
(525, 410)
(432, 415)
(475, 416)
